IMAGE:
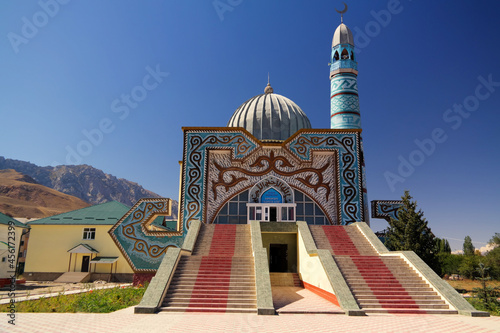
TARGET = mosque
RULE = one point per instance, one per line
(269, 201)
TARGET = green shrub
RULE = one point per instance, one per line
(95, 301)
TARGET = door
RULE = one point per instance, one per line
(266, 214)
(85, 263)
(278, 254)
(272, 214)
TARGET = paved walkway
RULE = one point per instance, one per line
(300, 300)
(127, 322)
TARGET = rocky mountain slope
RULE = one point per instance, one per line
(83, 181)
(21, 196)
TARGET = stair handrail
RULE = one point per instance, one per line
(342, 291)
(262, 278)
(158, 287)
(447, 292)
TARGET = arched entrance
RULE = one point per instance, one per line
(271, 200)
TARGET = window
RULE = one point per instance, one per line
(89, 233)
(235, 211)
(345, 54)
(308, 211)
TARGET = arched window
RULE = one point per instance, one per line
(345, 54)
(271, 196)
(234, 211)
(336, 56)
(307, 210)
(352, 55)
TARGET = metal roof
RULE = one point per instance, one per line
(103, 260)
(270, 116)
(342, 35)
(5, 219)
(103, 214)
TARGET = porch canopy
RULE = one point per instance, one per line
(104, 260)
(82, 248)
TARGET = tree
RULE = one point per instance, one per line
(410, 232)
(486, 294)
(495, 240)
(442, 245)
(468, 246)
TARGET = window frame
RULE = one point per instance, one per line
(88, 234)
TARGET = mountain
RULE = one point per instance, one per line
(21, 196)
(85, 182)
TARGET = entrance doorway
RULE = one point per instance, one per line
(85, 263)
(278, 254)
(272, 214)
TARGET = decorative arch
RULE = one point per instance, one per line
(345, 54)
(336, 56)
(271, 182)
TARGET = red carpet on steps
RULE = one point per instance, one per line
(218, 264)
(371, 268)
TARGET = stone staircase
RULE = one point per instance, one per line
(380, 284)
(285, 280)
(219, 276)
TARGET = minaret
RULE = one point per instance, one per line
(344, 99)
(344, 102)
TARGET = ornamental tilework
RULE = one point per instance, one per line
(143, 246)
(386, 209)
(346, 121)
(343, 64)
(349, 174)
(341, 103)
(316, 178)
(344, 83)
(196, 145)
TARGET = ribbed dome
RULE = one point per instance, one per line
(342, 35)
(270, 117)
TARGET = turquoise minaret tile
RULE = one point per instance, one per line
(344, 101)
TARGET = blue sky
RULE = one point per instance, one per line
(67, 68)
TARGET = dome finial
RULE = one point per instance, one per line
(268, 89)
(341, 12)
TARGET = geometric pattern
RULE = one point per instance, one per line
(347, 144)
(344, 83)
(345, 103)
(141, 245)
(272, 168)
(386, 209)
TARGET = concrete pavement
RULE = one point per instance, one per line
(126, 321)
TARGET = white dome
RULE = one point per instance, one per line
(342, 35)
(270, 116)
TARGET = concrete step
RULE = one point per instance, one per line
(387, 284)
(231, 302)
(401, 301)
(212, 293)
(389, 290)
(410, 311)
(390, 297)
(203, 309)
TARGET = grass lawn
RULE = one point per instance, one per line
(467, 285)
(96, 301)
